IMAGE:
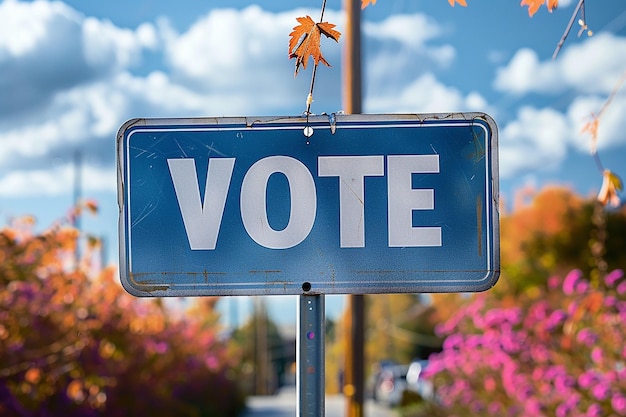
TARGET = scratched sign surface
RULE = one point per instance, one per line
(366, 204)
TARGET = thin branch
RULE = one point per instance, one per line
(568, 28)
(596, 118)
(613, 94)
(323, 9)
(596, 158)
(583, 18)
(309, 98)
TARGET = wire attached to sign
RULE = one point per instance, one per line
(332, 120)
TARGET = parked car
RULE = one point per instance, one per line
(390, 384)
(372, 381)
(415, 381)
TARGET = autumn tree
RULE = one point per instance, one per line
(73, 343)
(554, 232)
(266, 356)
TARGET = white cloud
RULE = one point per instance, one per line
(612, 125)
(227, 47)
(525, 73)
(410, 30)
(47, 47)
(56, 181)
(425, 95)
(24, 26)
(400, 49)
(105, 45)
(77, 72)
(538, 140)
(239, 58)
(592, 66)
(234, 62)
(88, 117)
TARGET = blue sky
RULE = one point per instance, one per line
(72, 72)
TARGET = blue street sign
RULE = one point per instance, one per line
(339, 204)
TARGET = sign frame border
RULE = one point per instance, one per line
(283, 122)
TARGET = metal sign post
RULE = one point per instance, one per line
(308, 206)
(310, 356)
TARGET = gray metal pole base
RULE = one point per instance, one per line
(310, 356)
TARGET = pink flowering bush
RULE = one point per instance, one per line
(73, 343)
(560, 352)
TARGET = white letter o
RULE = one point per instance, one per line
(254, 208)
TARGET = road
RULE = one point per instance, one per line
(284, 405)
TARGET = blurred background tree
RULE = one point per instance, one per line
(554, 230)
(73, 342)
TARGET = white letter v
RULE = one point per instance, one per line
(202, 219)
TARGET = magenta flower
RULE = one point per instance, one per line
(587, 379)
(453, 341)
(569, 284)
(553, 282)
(600, 391)
(556, 318)
(610, 301)
(490, 384)
(473, 341)
(494, 408)
(558, 354)
(618, 402)
(594, 410)
(536, 313)
(612, 277)
(563, 410)
(582, 287)
(596, 354)
(533, 407)
(212, 362)
(539, 353)
(587, 337)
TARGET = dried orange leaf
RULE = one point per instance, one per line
(305, 41)
(592, 128)
(327, 29)
(611, 184)
(552, 4)
(91, 206)
(534, 5)
(365, 3)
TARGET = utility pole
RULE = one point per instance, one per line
(261, 347)
(354, 375)
(352, 79)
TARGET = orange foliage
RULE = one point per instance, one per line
(365, 3)
(534, 5)
(73, 343)
(546, 213)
